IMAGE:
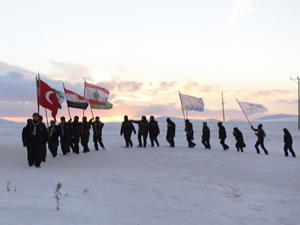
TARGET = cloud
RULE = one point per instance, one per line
(266, 93)
(287, 102)
(71, 71)
(119, 85)
(132, 97)
(240, 10)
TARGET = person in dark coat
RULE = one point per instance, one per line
(44, 149)
(126, 130)
(25, 138)
(75, 134)
(64, 135)
(240, 144)
(261, 135)
(206, 136)
(153, 131)
(222, 136)
(53, 138)
(97, 130)
(85, 127)
(189, 133)
(288, 143)
(142, 131)
(34, 137)
(171, 130)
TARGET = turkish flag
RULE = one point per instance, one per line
(48, 98)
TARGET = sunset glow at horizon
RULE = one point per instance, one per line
(146, 52)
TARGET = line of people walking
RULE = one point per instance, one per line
(69, 134)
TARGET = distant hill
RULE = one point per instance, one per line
(278, 117)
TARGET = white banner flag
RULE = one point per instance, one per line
(252, 108)
(192, 103)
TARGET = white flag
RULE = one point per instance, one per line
(252, 108)
(192, 103)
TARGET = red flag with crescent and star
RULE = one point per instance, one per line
(48, 98)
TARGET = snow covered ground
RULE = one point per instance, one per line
(154, 186)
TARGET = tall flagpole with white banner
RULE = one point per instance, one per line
(181, 106)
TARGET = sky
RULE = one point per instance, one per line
(144, 52)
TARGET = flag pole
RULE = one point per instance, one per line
(67, 103)
(46, 117)
(37, 84)
(92, 111)
(181, 106)
(223, 107)
(187, 113)
(244, 112)
(84, 97)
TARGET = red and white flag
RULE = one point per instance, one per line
(95, 94)
(75, 100)
(47, 97)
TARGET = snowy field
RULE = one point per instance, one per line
(154, 186)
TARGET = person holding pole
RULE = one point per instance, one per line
(44, 146)
(53, 138)
(75, 135)
(97, 130)
(65, 135)
(189, 133)
(85, 127)
(261, 135)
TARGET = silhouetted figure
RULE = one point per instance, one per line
(97, 130)
(142, 131)
(260, 133)
(206, 136)
(34, 137)
(171, 129)
(126, 130)
(153, 131)
(53, 138)
(85, 127)
(288, 143)
(222, 136)
(75, 135)
(64, 135)
(44, 148)
(25, 138)
(189, 133)
(240, 144)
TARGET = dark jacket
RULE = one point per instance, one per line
(97, 128)
(205, 133)
(153, 128)
(288, 140)
(53, 133)
(222, 132)
(85, 129)
(75, 129)
(260, 133)
(143, 126)
(239, 138)
(35, 133)
(171, 129)
(189, 130)
(127, 128)
(64, 131)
